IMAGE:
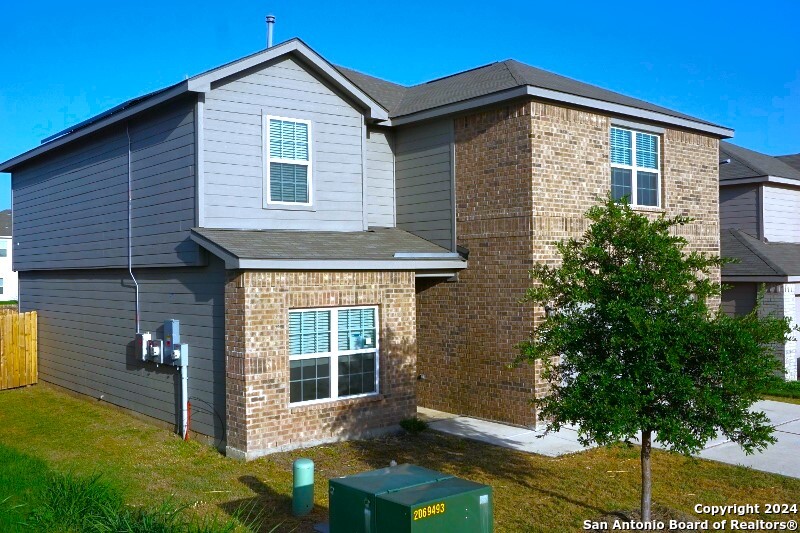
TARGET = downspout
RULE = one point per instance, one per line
(130, 242)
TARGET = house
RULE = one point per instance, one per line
(759, 202)
(8, 278)
(337, 248)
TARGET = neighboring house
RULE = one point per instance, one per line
(8, 278)
(759, 201)
(338, 248)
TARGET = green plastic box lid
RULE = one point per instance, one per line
(390, 479)
(420, 495)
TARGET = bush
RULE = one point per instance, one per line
(413, 425)
(785, 389)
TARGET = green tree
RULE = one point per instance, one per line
(631, 349)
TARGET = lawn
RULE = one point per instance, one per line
(45, 430)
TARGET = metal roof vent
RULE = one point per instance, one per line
(270, 25)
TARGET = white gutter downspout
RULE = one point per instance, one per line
(130, 242)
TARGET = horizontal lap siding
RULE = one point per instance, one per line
(781, 214)
(233, 165)
(423, 175)
(86, 334)
(380, 178)
(738, 299)
(738, 208)
(71, 207)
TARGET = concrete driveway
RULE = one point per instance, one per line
(781, 458)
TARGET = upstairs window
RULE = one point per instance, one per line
(635, 167)
(288, 161)
(333, 353)
(3, 248)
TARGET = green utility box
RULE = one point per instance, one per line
(408, 499)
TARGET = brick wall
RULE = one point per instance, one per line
(468, 329)
(525, 174)
(257, 304)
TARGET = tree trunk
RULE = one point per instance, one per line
(646, 481)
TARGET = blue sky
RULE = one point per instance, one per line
(734, 63)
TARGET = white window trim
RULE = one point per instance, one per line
(634, 168)
(334, 354)
(267, 159)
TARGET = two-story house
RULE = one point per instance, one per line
(759, 203)
(8, 278)
(338, 248)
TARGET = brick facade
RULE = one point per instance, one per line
(257, 304)
(525, 174)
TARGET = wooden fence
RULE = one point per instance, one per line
(18, 341)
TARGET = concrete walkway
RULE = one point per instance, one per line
(780, 458)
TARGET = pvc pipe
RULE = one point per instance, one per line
(302, 487)
(185, 402)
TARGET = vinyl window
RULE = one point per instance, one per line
(288, 161)
(333, 353)
(635, 167)
(3, 248)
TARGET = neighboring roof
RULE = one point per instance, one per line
(394, 104)
(5, 222)
(746, 164)
(376, 249)
(758, 259)
(793, 160)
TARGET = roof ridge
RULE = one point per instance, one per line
(508, 63)
(742, 238)
(456, 74)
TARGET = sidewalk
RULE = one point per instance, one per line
(780, 458)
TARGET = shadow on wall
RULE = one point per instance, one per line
(396, 385)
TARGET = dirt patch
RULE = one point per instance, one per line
(662, 519)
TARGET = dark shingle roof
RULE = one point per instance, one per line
(750, 164)
(485, 80)
(376, 244)
(758, 258)
(792, 160)
(5, 222)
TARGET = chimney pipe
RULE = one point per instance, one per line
(270, 25)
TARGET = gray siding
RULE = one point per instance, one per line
(423, 174)
(739, 298)
(380, 178)
(71, 206)
(738, 208)
(781, 214)
(233, 166)
(86, 333)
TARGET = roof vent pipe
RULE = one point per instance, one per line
(270, 25)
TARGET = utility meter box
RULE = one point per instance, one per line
(408, 499)
(172, 336)
(140, 345)
(155, 351)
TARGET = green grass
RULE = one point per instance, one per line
(46, 433)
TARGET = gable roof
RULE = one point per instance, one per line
(793, 160)
(201, 83)
(394, 104)
(5, 222)
(745, 164)
(758, 259)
